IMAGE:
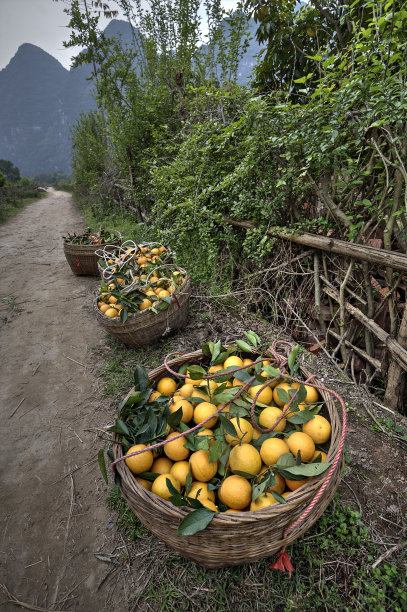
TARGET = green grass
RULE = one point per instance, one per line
(9, 209)
(122, 222)
(333, 571)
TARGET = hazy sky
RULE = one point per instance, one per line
(42, 23)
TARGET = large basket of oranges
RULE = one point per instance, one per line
(222, 493)
(140, 311)
(81, 250)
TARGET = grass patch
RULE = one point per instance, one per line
(333, 571)
(9, 209)
(122, 222)
(117, 374)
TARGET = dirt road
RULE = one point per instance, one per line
(53, 515)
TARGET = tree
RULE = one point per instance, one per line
(11, 173)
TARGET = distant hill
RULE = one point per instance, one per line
(40, 101)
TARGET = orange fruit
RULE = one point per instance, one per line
(146, 484)
(180, 470)
(166, 386)
(162, 465)
(186, 390)
(215, 369)
(269, 416)
(265, 396)
(112, 299)
(200, 490)
(204, 410)
(272, 449)
(201, 469)
(245, 458)
(154, 395)
(233, 360)
(160, 487)
(207, 433)
(312, 395)
(104, 307)
(235, 492)
(244, 430)
(208, 504)
(286, 387)
(176, 450)
(264, 500)
(186, 407)
(299, 441)
(318, 428)
(317, 453)
(293, 485)
(112, 313)
(139, 463)
(144, 304)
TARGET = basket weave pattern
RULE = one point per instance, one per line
(82, 258)
(231, 539)
(145, 327)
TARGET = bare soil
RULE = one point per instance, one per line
(53, 514)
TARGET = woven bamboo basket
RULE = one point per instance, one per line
(82, 258)
(239, 537)
(145, 327)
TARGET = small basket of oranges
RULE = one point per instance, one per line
(228, 454)
(140, 309)
(81, 251)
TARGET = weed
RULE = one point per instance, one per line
(10, 302)
(333, 571)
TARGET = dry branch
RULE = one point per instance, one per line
(398, 353)
(374, 362)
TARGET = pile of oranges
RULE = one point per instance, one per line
(222, 469)
(139, 280)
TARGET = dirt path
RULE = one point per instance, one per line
(53, 517)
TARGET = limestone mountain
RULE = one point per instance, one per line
(40, 102)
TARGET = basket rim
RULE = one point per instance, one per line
(302, 494)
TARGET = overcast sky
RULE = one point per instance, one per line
(42, 23)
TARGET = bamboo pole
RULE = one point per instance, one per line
(392, 259)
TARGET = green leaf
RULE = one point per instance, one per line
(195, 521)
(272, 372)
(188, 481)
(253, 338)
(215, 451)
(124, 315)
(102, 464)
(140, 378)
(307, 469)
(293, 356)
(300, 417)
(171, 487)
(225, 397)
(196, 372)
(174, 419)
(278, 497)
(244, 346)
(283, 396)
(228, 426)
(206, 349)
(133, 398)
(286, 460)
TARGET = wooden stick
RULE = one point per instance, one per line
(15, 409)
(392, 259)
(398, 353)
(375, 362)
(387, 554)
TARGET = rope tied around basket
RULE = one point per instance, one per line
(283, 562)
